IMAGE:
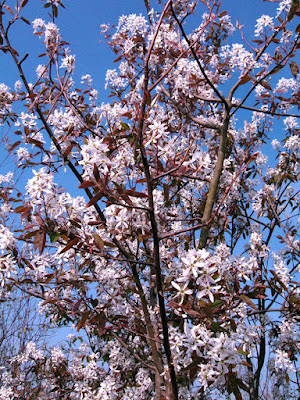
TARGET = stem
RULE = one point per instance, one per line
(214, 184)
(152, 216)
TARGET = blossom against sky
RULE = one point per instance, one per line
(93, 56)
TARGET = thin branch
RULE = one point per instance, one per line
(198, 121)
(132, 352)
(219, 95)
(175, 168)
(156, 250)
(182, 54)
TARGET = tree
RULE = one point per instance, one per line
(178, 265)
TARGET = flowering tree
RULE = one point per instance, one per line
(177, 266)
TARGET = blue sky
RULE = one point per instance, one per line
(80, 24)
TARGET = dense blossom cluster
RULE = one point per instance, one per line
(177, 267)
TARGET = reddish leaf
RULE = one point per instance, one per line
(12, 147)
(266, 84)
(93, 223)
(133, 193)
(25, 20)
(83, 320)
(95, 199)
(87, 184)
(276, 69)
(23, 3)
(39, 241)
(96, 173)
(7, 8)
(244, 79)
(76, 306)
(68, 150)
(28, 263)
(69, 245)
(294, 69)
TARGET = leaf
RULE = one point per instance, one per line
(277, 279)
(68, 150)
(25, 20)
(298, 29)
(166, 192)
(244, 79)
(86, 184)
(133, 193)
(55, 11)
(12, 147)
(54, 236)
(96, 173)
(98, 241)
(216, 304)
(276, 69)
(96, 223)
(94, 302)
(83, 320)
(76, 306)
(69, 245)
(125, 126)
(294, 69)
(49, 278)
(95, 199)
(28, 263)
(293, 9)
(23, 3)
(246, 364)
(39, 241)
(142, 180)
(21, 209)
(266, 84)
(35, 142)
(248, 301)
(222, 14)
(8, 9)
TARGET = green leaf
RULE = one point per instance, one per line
(125, 126)
(54, 237)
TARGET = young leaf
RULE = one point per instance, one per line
(248, 301)
(69, 245)
(294, 68)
